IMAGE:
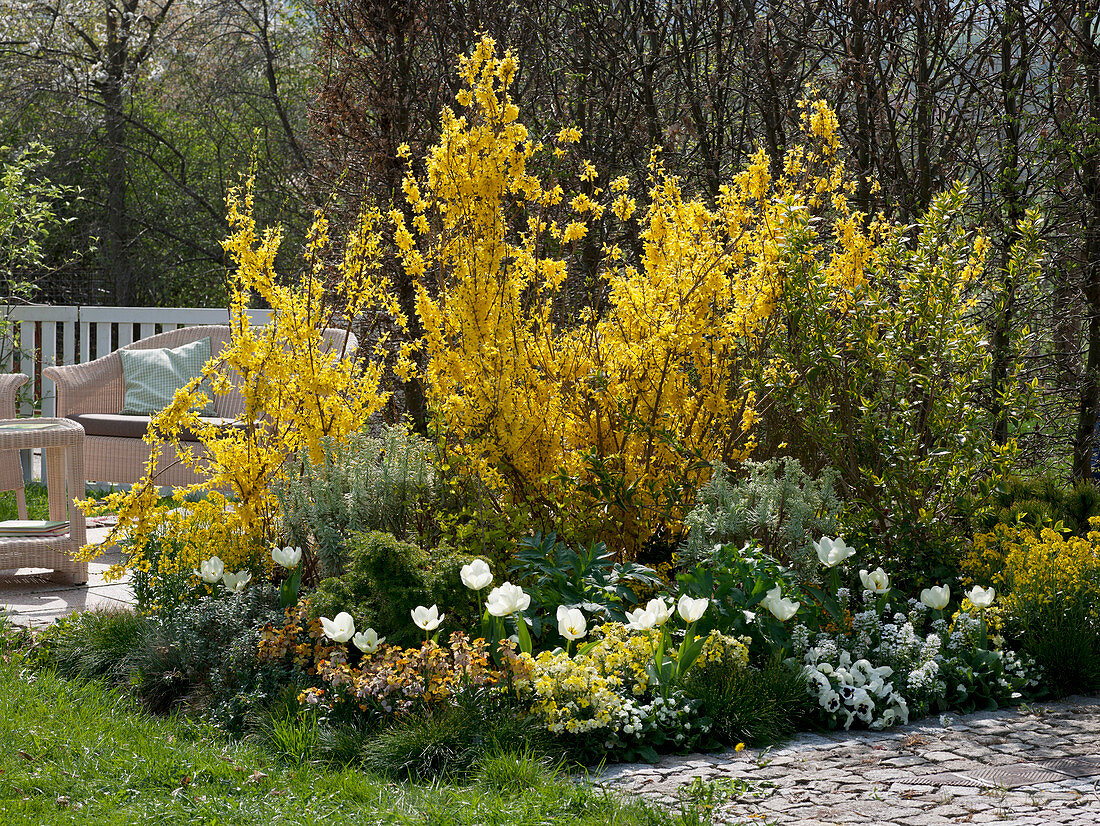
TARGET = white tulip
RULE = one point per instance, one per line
(286, 557)
(690, 609)
(340, 628)
(876, 581)
(936, 597)
(427, 619)
(660, 609)
(832, 552)
(211, 570)
(571, 623)
(476, 575)
(236, 582)
(640, 619)
(506, 600)
(981, 597)
(783, 609)
(368, 641)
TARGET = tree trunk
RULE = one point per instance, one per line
(118, 224)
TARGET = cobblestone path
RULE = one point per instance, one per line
(1034, 765)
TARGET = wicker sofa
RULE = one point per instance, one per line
(92, 394)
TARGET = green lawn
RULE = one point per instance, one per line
(76, 752)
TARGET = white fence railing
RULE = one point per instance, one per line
(45, 335)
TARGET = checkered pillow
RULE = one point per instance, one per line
(151, 378)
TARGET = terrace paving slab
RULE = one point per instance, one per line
(28, 598)
(1033, 765)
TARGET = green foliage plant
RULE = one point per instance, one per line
(774, 504)
(555, 573)
(28, 214)
(385, 483)
(878, 364)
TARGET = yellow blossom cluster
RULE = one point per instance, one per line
(297, 389)
(1048, 569)
(613, 414)
(596, 690)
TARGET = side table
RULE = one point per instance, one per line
(62, 443)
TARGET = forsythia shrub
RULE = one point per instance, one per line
(615, 407)
(297, 392)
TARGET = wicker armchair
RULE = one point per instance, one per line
(92, 394)
(11, 469)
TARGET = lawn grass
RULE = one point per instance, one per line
(38, 507)
(74, 751)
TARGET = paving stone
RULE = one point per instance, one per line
(918, 775)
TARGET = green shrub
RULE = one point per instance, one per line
(747, 704)
(1039, 502)
(774, 503)
(204, 656)
(388, 483)
(383, 581)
